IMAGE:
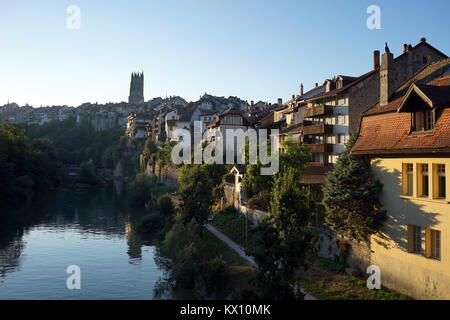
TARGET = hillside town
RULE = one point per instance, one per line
(399, 114)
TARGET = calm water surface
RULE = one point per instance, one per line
(93, 231)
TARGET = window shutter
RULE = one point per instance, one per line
(428, 242)
(410, 238)
(404, 180)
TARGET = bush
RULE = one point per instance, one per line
(260, 201)
(138, 190)
(166, 205)
(151, 223)
(87, 175)
(214, 275)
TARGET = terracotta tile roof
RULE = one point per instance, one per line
(390, 134)
(388, 130)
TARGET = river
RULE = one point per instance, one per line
(94, 231)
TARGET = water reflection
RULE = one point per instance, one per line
(62, 228)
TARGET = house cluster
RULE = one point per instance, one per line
(160, 122)
(400, 111)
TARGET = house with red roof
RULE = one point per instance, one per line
(406, 137)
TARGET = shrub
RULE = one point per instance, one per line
(151, 223)
(260, 201)
(138, 190)
(166, 205)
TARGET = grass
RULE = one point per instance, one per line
(239, 270)
(232, 224)
(326, 280)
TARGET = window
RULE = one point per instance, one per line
(414, 239)
(439, 190)
(423, 180)
(407, 176)
(429, 120)
(423, 120)
(441, 180)
(433, 243)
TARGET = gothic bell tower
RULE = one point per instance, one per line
(136, 88)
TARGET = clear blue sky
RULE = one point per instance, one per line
(254, 49)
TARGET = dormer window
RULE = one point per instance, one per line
(423, 120)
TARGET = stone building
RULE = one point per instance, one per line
(335, 114)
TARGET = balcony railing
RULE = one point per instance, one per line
(317, 111)
(320, 148)
(318, 129)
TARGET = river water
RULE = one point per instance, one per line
(93, 231)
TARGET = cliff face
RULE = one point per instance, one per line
(166, 174)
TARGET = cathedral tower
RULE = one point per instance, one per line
(136, 88)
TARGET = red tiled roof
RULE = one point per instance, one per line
(390, 134)
(388, 130)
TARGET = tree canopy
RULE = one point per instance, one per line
(351, 197)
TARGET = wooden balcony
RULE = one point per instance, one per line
(318, 129)
(320, 148)
(317, 111)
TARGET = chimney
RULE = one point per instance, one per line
(405, 48)
(280, 101)
(423, 40)
(386, 77)
(252, 103)
(317, 84)
(293, 97)
(376, 59)
(301, 89)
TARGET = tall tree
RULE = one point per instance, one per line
(351, 197)
(196, 192)
(286, 237)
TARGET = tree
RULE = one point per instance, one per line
(351, 197)
(166, 205)
(295, 156)
(196, 192)
(26, 166)
(286, 237)
(139, 190)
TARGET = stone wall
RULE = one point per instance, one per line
(164, 173)
(358, 255)
(254, 215)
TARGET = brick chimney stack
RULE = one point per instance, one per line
(376, 59)
(301, 89)
(386, 77)
(280, 101)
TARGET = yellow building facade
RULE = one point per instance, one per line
(413, 248)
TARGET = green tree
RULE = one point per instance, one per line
(351, 197)
(295, 156)
(138, 190)
(196, 189)
(166, 205)
(286, 237)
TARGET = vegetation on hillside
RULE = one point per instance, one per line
(27, 166)
(77, 143)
